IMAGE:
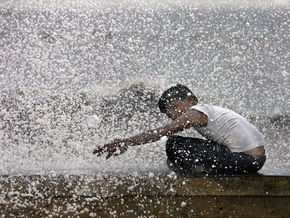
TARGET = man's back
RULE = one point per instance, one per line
(229, 128)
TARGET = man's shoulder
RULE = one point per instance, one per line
(211, 109)
(206, 106)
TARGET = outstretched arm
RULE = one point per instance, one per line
(188, 119)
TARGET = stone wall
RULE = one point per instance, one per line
(109, 195)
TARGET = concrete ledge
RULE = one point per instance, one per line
(109, 195)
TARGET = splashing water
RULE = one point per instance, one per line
(77, 75)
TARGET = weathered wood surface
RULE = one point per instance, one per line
(149, 195)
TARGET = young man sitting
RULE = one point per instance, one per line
(231, 144)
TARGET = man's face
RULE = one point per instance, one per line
(176, 108)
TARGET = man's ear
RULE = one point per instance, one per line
(191, 99)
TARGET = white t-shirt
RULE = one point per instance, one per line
(229, 128)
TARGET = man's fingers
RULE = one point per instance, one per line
(109, 155)
(110, 150)
(117, 152)
(98, 151)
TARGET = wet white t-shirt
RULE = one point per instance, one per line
(229, 128)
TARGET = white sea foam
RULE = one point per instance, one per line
(93, 4)
(72, 80)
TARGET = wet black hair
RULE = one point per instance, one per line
(178, 92)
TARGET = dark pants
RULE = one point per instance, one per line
(192, 155)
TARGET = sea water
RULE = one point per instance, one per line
(75, 75)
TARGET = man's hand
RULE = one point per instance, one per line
(114, 148)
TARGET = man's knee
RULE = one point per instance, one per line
(172, 141)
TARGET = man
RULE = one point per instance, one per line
(231, 144)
